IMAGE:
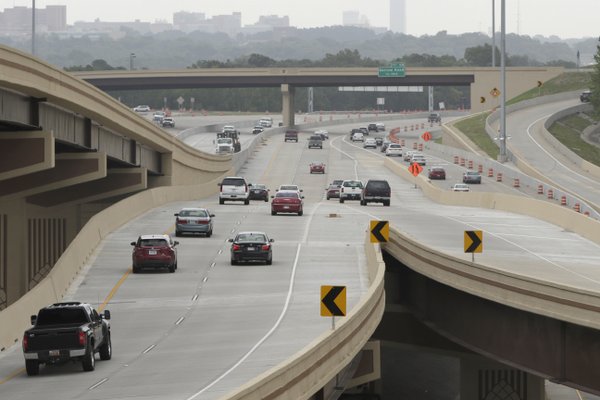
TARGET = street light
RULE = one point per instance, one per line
(131, 57)
(502, 155)
(493, 33)
(33, 27)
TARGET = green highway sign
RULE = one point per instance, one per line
(396, 70)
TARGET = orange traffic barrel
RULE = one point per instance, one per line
(550, 194)
(462, 162)
(420, 146)
(480, 168)
(490, 172)
(563, 200)
(577, 207)
(414, 145)
(455, 159)
(499, 177)
(470, 164)
(516, 183)
(540, 189)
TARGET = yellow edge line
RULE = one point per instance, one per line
(114, 290)
(12, 375)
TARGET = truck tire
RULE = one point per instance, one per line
(88, 362)
(32, 367)
(246, 202)
(172, 268)
(106, 349)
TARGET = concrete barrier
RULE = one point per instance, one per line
(310, 369)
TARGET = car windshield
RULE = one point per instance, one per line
(251, 237)
(288, 187)
(337, 182)
(395, 146)
(153, 243)
(193, 213)
(292, 195)
(353, 184)
(258, 186)
(378, 185)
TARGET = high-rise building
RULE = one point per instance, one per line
(398, 16)
(350, 18)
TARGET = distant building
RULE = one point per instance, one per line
(188, 21)
(354, 18)
(17, 20)
(267, 23)
(398, 16)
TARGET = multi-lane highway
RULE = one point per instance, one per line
(211, 326)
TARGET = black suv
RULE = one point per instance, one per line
(376, 191)
(585, 96)
(372, 127)
(434, 117)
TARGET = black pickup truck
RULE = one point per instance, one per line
(67, 331)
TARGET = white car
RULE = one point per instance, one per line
(358, 137)
(141, 108)
(407, 155)
(370, 142)
(419, 159)
(460, 187)
(323, 133)
(380, 126)
(393, 149)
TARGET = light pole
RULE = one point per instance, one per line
(131, 57)
(502, 156)
(33, 27)
(493, 33)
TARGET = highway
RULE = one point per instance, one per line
(524, 128)
(210, 327)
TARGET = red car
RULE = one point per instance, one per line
(154, 251)
(437, 173)
(317, 167)
(287, 201)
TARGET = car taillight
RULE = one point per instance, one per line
(82, 338)
(25, 342)
(266, 247)
(202, 222)
(235, 247)
(181, 221)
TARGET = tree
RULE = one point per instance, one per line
(481, 56)
(595, 84)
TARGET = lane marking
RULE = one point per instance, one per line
(97, 384)
(195, 297)
(205, 279)
(265, 337)
(148, 349)
(179, 321)
(12, 375)
(114, 290)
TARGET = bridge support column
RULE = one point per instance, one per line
(13, 245)
(287, 102)
(482, 378)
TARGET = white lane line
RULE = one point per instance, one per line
(97, 384)
(205, 279)
(179, 321)
(551, 156)
(195, 297)
(347, 155)
(148, 349)
(220, 251)
(281, 315)
(264, 338)
(213, 264)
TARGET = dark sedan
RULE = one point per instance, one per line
(471, 177)
(258, 192)
(317, 168)
(437, 173)
(251, 246)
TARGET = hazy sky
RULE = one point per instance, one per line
(563, 18)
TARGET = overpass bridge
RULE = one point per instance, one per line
(480, 80)
(176, 178)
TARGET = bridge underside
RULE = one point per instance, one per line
(559, 351)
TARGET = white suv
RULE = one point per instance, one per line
(234, 188)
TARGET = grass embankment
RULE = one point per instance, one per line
(568, 131)
(474, 127)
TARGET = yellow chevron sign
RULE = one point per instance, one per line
(473, 241)
(333, 301)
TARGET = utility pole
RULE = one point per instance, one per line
(310, 99)
(33, 27)
(493, 33)
(131, 57)
(502, 157)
